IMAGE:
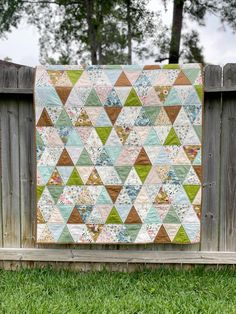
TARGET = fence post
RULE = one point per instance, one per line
(228, 163)
(11, 220)
(27, 158)
(211, 161)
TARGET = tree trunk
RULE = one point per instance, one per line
(99, 32)
(91, 30)
(177, 23)
(129, 35)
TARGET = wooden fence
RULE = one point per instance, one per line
(17, 187)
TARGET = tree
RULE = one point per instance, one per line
(108, 31)
(195, 10)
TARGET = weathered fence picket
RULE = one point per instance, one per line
(17, 180)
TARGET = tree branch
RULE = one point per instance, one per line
(48, 2)
(161, 59)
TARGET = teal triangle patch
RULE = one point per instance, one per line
(45, 172)
(152, 138)
(74, 139)
(113, 152)
(104, 197)
(172, 98)
(65, 211)
(152, 217)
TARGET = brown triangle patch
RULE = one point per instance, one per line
(182, 79)
(95, 230)
(55, 178)
(133, 217)
(197, 209)
(198, 170)
(65, 159)
(94, 178)
(162, 236)
(162, 197)
(123, 133)
(75, 217)
(40, 219)
(83, 119)
(55, 75)
(113, 113)
(113, 191)
(63, 93)
(142, 158)
(172, 112)
(44, 119)
(152, 67)
(123, 80)
(191, 151)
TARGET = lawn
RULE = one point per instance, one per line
(159, 291)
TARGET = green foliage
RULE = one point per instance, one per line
(161, 291)
(192, 52)
(10, 15)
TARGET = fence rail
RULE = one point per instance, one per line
(17, 177)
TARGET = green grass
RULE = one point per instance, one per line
(160, 291)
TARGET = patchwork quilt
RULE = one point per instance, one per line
(118, 153)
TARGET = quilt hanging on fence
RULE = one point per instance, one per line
(118, 153)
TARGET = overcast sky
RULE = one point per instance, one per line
(219, 42)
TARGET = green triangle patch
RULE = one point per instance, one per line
(181, 171)
(93, 99)
(191, 191)
(75, 178)
(181, 236)
(172, 138)
(63, 120)
(55, 191)
(114, 217)
(84, 159)
(39, 141)
(199, 90)
(171, 217)
(65, 236)
(132, 99)
(152, 113)
(142, 171)
(40, 189)
(198, 130)
(123, 172)
(103, 133)
(131, 231)
(74, 75)
(191, 74)
(171, 66)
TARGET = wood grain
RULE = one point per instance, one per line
(211, 164)
(228, 164)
